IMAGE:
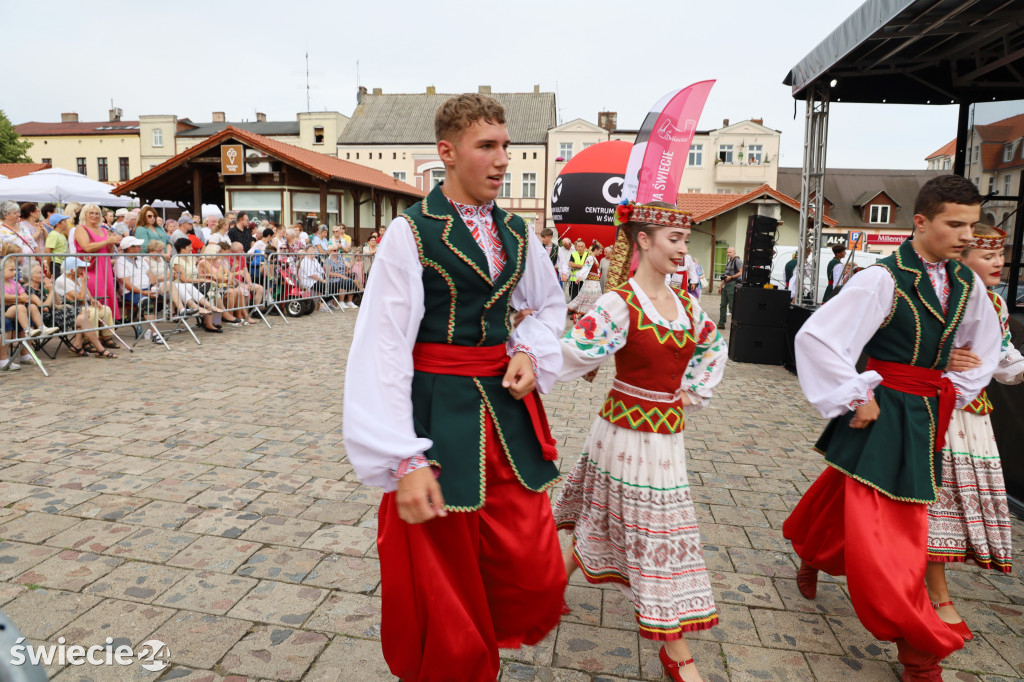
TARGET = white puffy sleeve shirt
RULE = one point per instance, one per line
(378, 423)
(832, 339)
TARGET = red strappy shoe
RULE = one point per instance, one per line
(671, 667)
(807, 580)
(959, 628)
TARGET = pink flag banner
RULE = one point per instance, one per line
(659, 154)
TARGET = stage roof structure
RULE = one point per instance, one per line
(920, 52)
(928, 52)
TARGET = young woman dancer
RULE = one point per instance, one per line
(971, 519)
(591, 289)
(628, 498)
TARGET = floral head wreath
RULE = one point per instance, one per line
(988, 241)
(628, 211)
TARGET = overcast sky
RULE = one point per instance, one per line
(191, 58)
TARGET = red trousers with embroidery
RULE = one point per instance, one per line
(843, 527)
(455, 589)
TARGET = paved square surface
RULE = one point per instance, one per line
(202, 497)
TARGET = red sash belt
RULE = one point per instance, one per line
(483, 361)
(923, 382)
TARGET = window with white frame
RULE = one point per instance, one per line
(506, 187)
(947, 164)
(529, 185)
(399, 175)
(977, 154)
(879, 214)
(1006, 185)
(725, 153)
(588, 144)
(436, 176)
(565, 150)
(755, 152)
(991, 184)
(696, 158)
(158, 137)
(1008, 152)
(693, 190)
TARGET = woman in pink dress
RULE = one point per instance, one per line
(91, 239)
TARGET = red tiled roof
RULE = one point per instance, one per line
(17, 170)
(704, 206)
(993, 137)
(319, 165)
(945, 150)
(39, 129)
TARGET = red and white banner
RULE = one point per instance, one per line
(662, 145)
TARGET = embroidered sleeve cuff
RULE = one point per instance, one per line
(522, 348)
(407, 466)
(863, 401)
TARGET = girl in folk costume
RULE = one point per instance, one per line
(628, 497)
(591, 289)
(971, 519)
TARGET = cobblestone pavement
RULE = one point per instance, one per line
(201, 497)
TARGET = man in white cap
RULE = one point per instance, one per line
(120, 226)
(130, 270)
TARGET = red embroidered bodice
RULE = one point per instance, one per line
(649, 371)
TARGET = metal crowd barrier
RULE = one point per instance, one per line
(143, 290)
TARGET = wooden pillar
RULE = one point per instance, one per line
(197, 195)
(394, 206)
(357, 195)
(323, 202)
(375, 198)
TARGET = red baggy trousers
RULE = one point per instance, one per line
(455, 589)
(844, 527)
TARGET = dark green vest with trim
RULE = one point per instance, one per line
(895, 454)
(828, 274)
(464, 307)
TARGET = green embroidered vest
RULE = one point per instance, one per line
(895, 454)
(828, 274)
(464, 307)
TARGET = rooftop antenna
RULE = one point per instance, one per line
(307, 81)
(357, 76)
(558, 109)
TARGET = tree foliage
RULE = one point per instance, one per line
(13, 149)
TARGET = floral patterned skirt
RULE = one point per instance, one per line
(585, 300)
(971, 519)
(628, 499)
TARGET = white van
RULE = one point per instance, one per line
(784, 253)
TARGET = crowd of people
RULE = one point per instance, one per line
(106, 268)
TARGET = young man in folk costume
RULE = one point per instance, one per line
(866, 515)
(971, 519)
(439, 415)
(833, 271)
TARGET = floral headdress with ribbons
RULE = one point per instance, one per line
(630, 212)
(988, 241)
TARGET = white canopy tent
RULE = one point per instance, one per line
(60, 186)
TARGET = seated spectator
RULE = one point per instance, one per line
(120, 226)
(32, 223)
(57, 241)
(240, 270)
(341, 239)
(137, 291)
(303, 239)
(174, 230)
(242, 231)
(190, 285)
(21, 306)
(222, 290)
(220, 234)
(318, 242)
(338, 270)
(108, 217)
(312, 276)
(74, 316)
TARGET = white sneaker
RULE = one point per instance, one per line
(34, 332)
(354, 304)
(50, 330)
(157, 338)
(9, 366)
(148, 335)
